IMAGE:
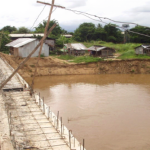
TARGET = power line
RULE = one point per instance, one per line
(138, 33)
(46, 17)
(38, 17)
(85, 14)
(100, 20)
(76, 11)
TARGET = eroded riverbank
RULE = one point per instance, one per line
(53, 66)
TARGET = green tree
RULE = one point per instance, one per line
(4, 39)
(57, 31)
(9, 29)
(85, 32)
(113, 33)
(63, 40)
(22, 30)
(139, 38)
(100, 33)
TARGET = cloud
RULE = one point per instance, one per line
(26, 12)
(143, 8)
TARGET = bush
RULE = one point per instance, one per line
(42, 55)
(66, 57)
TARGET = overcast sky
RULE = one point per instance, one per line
(24, 12)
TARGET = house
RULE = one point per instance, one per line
(143, 49)
(101, 51)
(22, 47)
(75, 48)
(49, 41)
(67, 35)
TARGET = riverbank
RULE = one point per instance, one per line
(54, 66)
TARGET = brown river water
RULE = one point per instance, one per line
(111, 112)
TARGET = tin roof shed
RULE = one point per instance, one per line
(76, 46)
(20, 42)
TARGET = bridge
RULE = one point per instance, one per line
(26, 122)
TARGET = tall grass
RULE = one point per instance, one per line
(86, 59)
(66, 57)
(118, 47)
(80, 59)
(131, 55)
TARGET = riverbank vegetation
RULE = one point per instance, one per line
(80, 59)
(89, 34)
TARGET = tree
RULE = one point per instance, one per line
(63, 40)
(54, 34)
(4, 39)
(113, 33)
(22, 30)
(100, 33)
(139, 38)
(85, 32)
(9, 29)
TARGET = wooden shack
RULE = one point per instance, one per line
(75, 49)
(142, 49)
(101, 51)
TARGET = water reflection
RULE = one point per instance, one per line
(110, 111)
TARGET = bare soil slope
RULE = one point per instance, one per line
(53, 66)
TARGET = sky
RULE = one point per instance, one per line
(21, 13)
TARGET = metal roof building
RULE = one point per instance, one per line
(20, 42)
(26, 35)
(49, 41)
(75, 48)
(101, 51)
(96, 48)
(143, 49)
(22, 47)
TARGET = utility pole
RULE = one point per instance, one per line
(46, 33)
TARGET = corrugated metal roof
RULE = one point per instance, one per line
(67, 35)
(96, 48)
(77, 46)
(26, 35)
(144, 46)
(20, 42)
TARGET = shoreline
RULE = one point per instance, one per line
(53, 66)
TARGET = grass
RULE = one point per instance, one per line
(66, 57)
(87, 59)
(80, 59)
(118, 47)
(131, 55)
(126, 51)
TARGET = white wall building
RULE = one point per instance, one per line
(22, 47)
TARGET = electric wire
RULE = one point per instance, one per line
(100, 19)
(105, 18)
(36, 19)
(45, 18)
(86, 15)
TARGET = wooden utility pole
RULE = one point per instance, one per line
(50, 4)
(45, 33)
(25, 60)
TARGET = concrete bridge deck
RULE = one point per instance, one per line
(31, 124)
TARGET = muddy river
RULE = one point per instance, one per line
(111, 112)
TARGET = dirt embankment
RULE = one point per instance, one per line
(54, 66)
